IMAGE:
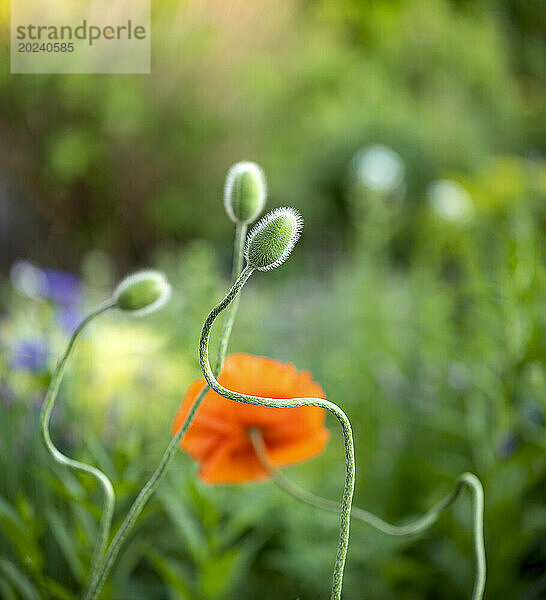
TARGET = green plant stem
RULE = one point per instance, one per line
(104, 568)
(75, 465)
(418, 526)
(345, 517)
(239, 243)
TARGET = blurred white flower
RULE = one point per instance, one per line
(379, 169)
(450, 201)
(27, 279)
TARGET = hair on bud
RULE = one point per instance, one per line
(245, 192)
(142, 292)
(271, 240)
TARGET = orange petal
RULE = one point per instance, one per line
(233, 462)
(218, 435)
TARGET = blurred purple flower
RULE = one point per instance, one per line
(37, 400)
(66, 290)
(533, 414)
(62, 287)
(29, 355)
(507, 445)
(6, 395)
(69, 318)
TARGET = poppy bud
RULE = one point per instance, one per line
(142, 292)
(271, 240)
(245, 191)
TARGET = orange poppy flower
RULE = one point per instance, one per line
(218, 436)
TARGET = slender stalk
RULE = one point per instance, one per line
(239, 243)
(75, 465)
(103, 569)
(345, 517)
(418, 526)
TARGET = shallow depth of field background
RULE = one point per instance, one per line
(410, 135)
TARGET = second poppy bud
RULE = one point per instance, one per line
(245, 192)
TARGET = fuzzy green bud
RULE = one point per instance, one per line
(271, 240)
(245, 192)
(142, 293)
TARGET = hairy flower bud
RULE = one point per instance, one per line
(142, 293)
(271, 240)
(245, 192)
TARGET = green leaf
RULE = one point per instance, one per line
(6, 591)
(27, 548)
(65, 485)
(19, 580)
(101, 456)
(218, 573)
(186, 525)
(66, 544)
(172, 575)
(207, 511)
(58, 591)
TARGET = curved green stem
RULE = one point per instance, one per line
(479, 545)
(345, 517)
(149, 488)
(418, 526)
(75, 465)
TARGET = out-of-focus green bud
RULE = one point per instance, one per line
(142, 293)
(271, 240)
(245, 192)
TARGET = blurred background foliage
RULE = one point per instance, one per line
(411, 136)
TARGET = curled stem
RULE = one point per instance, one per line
(415, 527)
(149, 488)
(345, 517)
(75, 465)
